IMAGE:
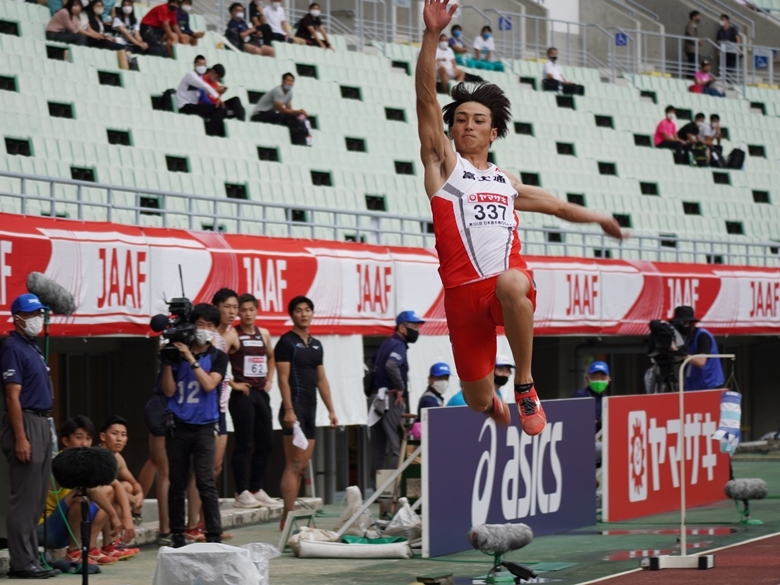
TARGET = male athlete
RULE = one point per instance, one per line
(473, 204)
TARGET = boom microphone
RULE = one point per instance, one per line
(746, 489)
(84, 467)
(51, 294)
(500, 538)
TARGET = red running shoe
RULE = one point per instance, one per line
(120, 551)
(499, 412)
(194, 535)
(532, 417)
(74, 556)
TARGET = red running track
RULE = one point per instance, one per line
(752, 563)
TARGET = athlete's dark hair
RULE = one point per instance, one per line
(113, 420)
(206, 312)
(487, 94)
(291, 306)
(222, 295)
(71, 425)
(247, 298)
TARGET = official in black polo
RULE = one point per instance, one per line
(25, 435)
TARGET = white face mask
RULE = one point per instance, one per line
(240, 15)
(671, 117)
(186, 8)
(127, 9)
(441, 386)
(443, 45)
(85, 3)
(700, 124)
(32, 326)
(99, 11)
(204, 336)
(724, 22)
(200, 69)
(315, 13)
(287, 87)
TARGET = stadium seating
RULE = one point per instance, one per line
(585, 148)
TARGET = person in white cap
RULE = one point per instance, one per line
(502, 373)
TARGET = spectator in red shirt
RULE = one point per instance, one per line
(233, 106)
(160, 28)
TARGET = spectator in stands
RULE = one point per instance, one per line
(233, 107)
(65, 27)
(309, 27)
(692, 32)
(95, 32)
(484, 45)
(728, 34)
(187, 36)
(553, 79)
(446, 66)
(244, 37)
(109, 12)
(275, 107)
(160, 29)
(276, 19)
(188, 96)
(710, 135)
(257, 18)
(597, 380)
(705, 82)
(666, 137)
(457, 44)
(126, 31)
(690, 135)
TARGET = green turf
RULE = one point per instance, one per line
(583, 551)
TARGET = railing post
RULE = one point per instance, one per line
(110, 208)
(79, 198)
(53, 196)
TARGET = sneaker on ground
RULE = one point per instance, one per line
(164, 539)
(246, 500)
(532, 417)
(74, 556)
(500, 411)
(194, 535)
(120, 551)
(265, 499)
(101, 557)
(178, 540)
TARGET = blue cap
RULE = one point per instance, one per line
(26, 303)
(596, 367)
(407, 317)
(439, 369)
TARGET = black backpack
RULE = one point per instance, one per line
(736, 159)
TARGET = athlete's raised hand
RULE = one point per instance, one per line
(436, 15)
(612, 228)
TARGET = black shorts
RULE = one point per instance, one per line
(306, 413)
(154, 414)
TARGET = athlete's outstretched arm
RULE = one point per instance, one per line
(538, 200)
(436, 153)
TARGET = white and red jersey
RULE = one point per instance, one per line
(475, 225)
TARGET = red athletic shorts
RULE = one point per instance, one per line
(473, 313)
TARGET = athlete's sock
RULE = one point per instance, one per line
(523, 388)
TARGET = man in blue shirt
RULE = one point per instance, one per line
(598, 379)
(193, 413)
(700, 373)
(388, 400)
(25, 435)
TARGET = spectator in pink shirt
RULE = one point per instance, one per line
(65, 26)
(666, 137)
(706, 81)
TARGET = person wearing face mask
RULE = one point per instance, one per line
(311, 30)
(188, 97)
(700, 373)
(484, 45)
(187, 36)
(457, 44)
(597, 380)
(160, 28)
(275, 18)
(126, 31)
(246, 38)
(728, 38)
(391, 391)
(711, 136)
(96, 32)
(690, 133)
(502, 374)
(553, 79)
(446, 66)
(438, 383)
(65, 25)
(666, 137)
(189, 386)
(275, 107)
(692, 41)
(25, 434)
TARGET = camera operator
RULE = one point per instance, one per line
(701, 373)
(193, 412)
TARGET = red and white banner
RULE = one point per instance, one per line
(641, 458)
(121, 274)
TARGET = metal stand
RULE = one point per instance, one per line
(86, 533)
(683, 561)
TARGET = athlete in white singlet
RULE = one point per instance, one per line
(473, 203)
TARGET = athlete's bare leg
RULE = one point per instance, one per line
(512, 290)
(479, 393)
(295, 466)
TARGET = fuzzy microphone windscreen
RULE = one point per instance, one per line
(747, 489)
(51, 294)
(500, 538)
(84, 467)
